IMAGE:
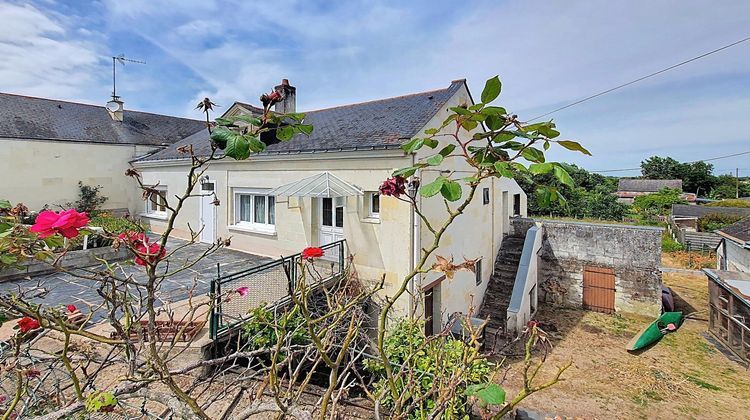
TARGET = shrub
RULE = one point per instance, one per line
(89, 198)
(434, 358)
(730, 203)
(714, 221)
(668, 244)
(115, 225)
(659, 203)
(260, 330)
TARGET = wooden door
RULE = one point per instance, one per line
(599, 289)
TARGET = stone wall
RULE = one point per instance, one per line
(633, 252)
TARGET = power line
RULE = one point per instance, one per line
(695, 161)
(604, 92)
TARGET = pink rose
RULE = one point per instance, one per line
(67, 223)
(148, 253)
(242, 291)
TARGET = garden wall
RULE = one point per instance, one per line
(80, 258)
(632, 252)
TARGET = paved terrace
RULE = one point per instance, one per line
(66, 289)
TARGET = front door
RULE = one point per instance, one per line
(208, 213)
(331, 220)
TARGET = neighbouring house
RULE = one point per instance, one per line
(684, 223)
(733, 252)
(47, 146)
(315, 190)
(630, 188)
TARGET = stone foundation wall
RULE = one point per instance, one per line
(633, 252)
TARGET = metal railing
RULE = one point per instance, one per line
(269, 283)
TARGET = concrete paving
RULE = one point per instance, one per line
(64, 288)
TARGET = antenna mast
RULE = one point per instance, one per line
(120, 59)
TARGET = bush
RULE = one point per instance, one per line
(260, 331)
(115, 225)
(715, 221)
(435, 358)
(730, 203)
(89, 198)
(659, 203)
(668, 244)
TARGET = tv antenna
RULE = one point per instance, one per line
(122, 60)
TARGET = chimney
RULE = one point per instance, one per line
(115, 108)
(289, 94)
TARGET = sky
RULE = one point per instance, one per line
(547, 54)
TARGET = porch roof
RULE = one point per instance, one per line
(324, 184)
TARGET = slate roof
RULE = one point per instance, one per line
(686, 210)
(647, 185)
(739, 231)
(27, 117)
(379, 124)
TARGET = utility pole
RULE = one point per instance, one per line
(737, 178)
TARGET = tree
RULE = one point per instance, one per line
(658, 204)
(696, 176)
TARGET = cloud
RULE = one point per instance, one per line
(43, 56)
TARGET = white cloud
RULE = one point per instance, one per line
(40, 58)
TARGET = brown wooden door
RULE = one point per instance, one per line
(599, 289)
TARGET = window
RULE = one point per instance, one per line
(156, 203)
(478, 272)
(254, 210)
(486, 196)
(516, 204)
(373, 205)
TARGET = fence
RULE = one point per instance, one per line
(269, 283)
(697, 241)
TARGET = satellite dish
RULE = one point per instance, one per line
(114, 106)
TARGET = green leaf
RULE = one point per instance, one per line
(491, 90)
(541, 168)
(562, 175)
(533, 155)
(573, 145)
(447, 150)
(435, 160)
(407, 172)
(503, 168)
(476, 107)
(494, 110)
(285, 132)
(305, 129)
(5, 204)
(221, 136)
(548, 132)
(238, 148)
(451, 190)
(256, 145)
(546, 145)
(469, 125)
(460, 110)
(224, 121)
(431, 143)
(431, 131)
(413, 145)
(428, 190)
(494, 122)
(487, 394)
(503, 136)
(247, 119)
(296, 116)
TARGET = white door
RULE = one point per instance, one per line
(331, 220)
(208, 213)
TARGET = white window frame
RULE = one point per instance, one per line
(156, 213)
(371, 213)
(265, 227)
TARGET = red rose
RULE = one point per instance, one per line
(393, 186)
(71, 308)
(312, 252)
(132, 236)
(27, 324)
(148, 253)
(67, 223)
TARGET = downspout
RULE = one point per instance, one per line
(414, 219)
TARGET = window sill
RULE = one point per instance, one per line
(253, 229)
(373, 220)
(155, 216)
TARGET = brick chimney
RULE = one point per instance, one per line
(289, 93)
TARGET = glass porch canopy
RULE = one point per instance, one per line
(324, 185)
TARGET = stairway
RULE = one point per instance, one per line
(500, 288)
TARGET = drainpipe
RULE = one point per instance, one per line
(414, 247)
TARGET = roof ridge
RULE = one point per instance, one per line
(19, 95)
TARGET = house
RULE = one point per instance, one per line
(629, 188)
(47, 146)
(315, 190)
(729, 310)
(733, 252)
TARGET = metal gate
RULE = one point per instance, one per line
(599, 289)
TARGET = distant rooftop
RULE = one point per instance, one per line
(379, 124)
(687, 210)
(25, 117)
(738, 232)
(647, 185)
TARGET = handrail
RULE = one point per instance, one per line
(526, 278)
(289, 265)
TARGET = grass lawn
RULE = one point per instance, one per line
(683, 376)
